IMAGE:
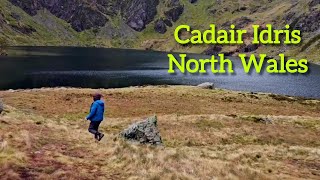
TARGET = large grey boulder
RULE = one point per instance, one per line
(144, 132)
(1, 106)
(206, 85)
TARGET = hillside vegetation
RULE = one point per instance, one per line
(207, 134)
(149, 24)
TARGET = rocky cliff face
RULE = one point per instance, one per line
(149, 24)
(79, 13)
(82, 14)
(139, 13)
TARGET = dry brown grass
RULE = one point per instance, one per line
(202, 139)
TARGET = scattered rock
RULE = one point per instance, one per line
(212, 50)
(309, 22)
(243, 8)
(144, 132)
(193, 1)
(160, 26)
(242, 22)
(206, 85)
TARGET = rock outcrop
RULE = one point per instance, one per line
(206, 85)
(144, 132)
(139, 13)
(309, 22)
(84, 15)
(175, 9)
(81, 15)
(160, 26)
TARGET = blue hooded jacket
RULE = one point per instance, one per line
(96, 111)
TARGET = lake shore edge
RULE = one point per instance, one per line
(161, 86)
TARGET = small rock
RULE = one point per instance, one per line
(193, 1)
(144, 132)
(264, 120)
(206, 85)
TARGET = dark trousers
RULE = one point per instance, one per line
(93, 127)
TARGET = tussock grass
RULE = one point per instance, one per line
(204, 143)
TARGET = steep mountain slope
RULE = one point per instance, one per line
(149, 24)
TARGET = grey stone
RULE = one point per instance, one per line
(264, 120)
(206, 85)
(160, 26)
(144, 132)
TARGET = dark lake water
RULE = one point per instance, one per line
(34, 67)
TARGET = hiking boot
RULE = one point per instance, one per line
(97, 136)
(100, 136)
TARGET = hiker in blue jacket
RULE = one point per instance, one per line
(96, 116)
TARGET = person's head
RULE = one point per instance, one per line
(97, 96)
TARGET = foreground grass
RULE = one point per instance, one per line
(206, 133)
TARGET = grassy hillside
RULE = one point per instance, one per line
(209, 133)
(50, 30)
